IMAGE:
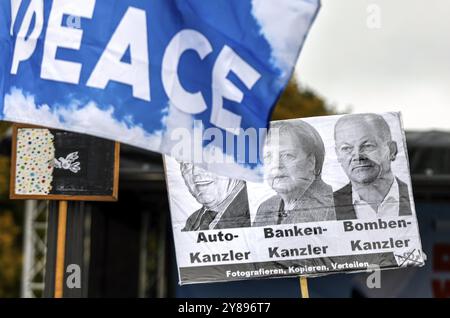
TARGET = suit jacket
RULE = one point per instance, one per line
(344, 205)
(315, 205)
(237, 214)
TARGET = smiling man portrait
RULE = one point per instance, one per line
(365, 150)
(224, 201)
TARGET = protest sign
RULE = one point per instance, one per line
(337, 197)
(50, 164)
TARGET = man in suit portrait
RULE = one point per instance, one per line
(224, 201)
(365, 150)
(293, 158)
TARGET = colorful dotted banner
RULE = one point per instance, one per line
(34, 161)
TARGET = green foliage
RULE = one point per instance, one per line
(296, 103)
(10, 255)
(11, 220)
(4, 127)
(4, 177)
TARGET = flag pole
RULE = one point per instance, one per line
(304, 287)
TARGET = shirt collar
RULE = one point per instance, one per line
(392, 196)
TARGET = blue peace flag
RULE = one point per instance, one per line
(193, 79)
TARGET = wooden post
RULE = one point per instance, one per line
(60, 249)
(304, 287)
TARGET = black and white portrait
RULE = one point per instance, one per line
(293, 159)
(335, 195)
(224, 202)
(333, 168)
(365, 149)
(315, 169)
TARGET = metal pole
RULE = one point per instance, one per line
(28, 250)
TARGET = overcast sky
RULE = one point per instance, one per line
(402, 66)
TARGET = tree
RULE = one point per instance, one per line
(4, 127)
(11, 220)
(10, 255)
(296, 102)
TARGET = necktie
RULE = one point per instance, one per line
(204, 220)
